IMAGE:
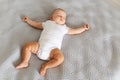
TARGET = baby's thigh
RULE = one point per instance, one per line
(56, 54)
(32, 47)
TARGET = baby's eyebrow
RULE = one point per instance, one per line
(59, 15)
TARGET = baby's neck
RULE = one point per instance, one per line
(56, 22)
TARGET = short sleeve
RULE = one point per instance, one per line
(44, 24)
(66, 28)
(47, 24)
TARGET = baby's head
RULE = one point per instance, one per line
(59, 16)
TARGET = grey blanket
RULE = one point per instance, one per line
(92, 55)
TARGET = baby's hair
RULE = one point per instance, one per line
(58, 9)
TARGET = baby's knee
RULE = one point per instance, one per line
(27, 46)
(32, 47)
(60, 58)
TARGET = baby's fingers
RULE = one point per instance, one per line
(25, 18)
(86, 26)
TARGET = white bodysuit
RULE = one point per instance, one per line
(51, 38)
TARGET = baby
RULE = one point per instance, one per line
(49, 45)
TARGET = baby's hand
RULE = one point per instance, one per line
(25, 18)
(86, 26)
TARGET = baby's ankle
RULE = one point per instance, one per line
(23, 62)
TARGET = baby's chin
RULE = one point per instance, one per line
(60, 22)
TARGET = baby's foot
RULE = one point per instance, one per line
(22, 65)
(43, 70)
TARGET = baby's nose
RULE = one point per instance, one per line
(61, 17)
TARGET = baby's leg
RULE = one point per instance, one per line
(29, 48)
(56, 58)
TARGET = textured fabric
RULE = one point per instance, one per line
(51, 38)
(92, 55)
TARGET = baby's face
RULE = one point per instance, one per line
(59, 17)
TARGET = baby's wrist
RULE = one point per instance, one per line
(27, 20)
(84, 28)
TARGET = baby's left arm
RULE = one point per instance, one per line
(78, 30)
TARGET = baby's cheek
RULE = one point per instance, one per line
(63, 21)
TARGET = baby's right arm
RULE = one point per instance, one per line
(34, 24)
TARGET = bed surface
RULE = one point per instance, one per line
(92, 55)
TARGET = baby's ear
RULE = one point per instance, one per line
(51, 18)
